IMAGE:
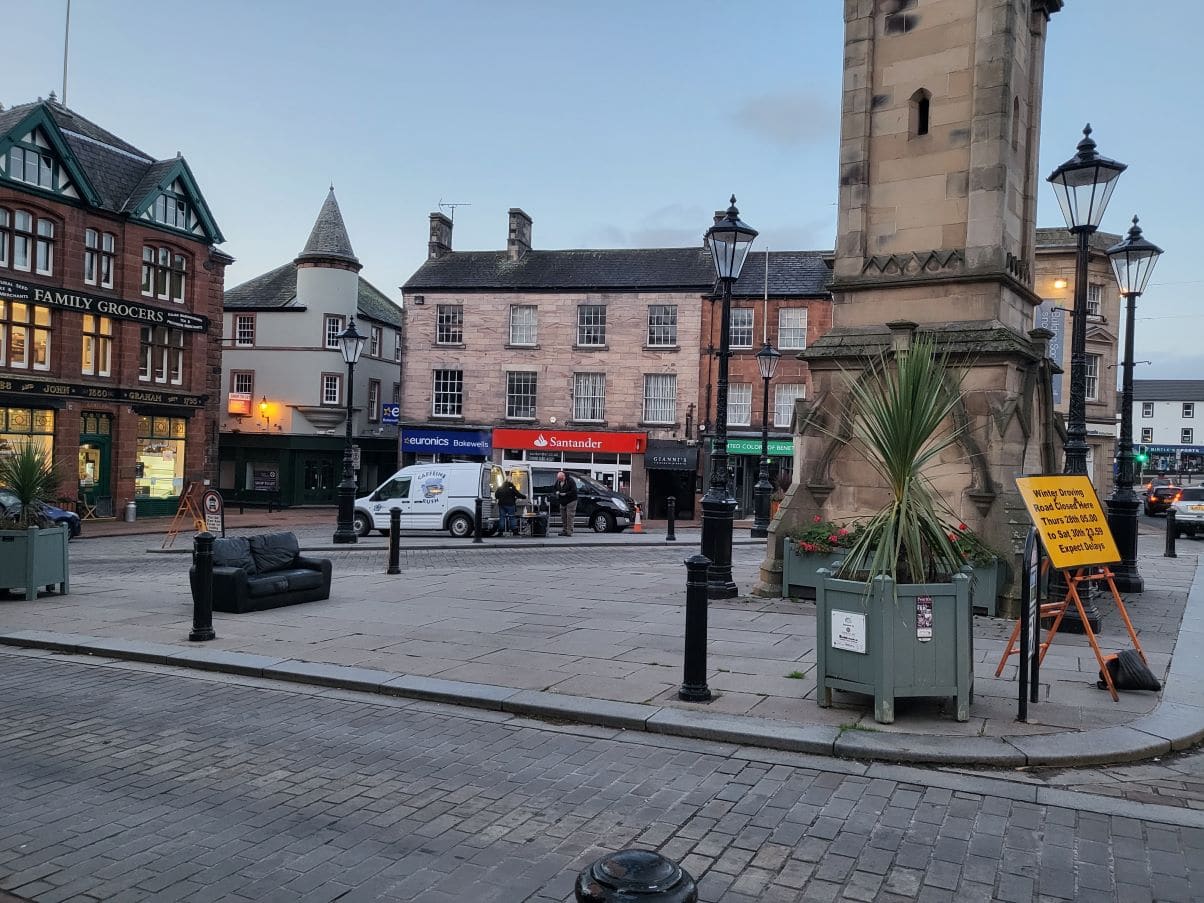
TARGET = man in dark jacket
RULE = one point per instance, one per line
(507, 496)
(565, 491)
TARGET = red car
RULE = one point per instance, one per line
(1158, 499)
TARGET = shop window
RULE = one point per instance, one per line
(24, 335)
(164, 274)
(95, 424)
(96, 355)
(589, 397)
(26, 425)
(448, 400)
(739, 404)
(520, 396)
(159, 469)
(784, 397)
(662, 325)
(660, 397)
(741, 328)
(99, 251)
(792, 328)
(162, 359)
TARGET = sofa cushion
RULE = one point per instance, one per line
(274, 551)
(301, 578)
(233, 552)
(266, 585)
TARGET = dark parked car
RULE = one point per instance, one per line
(9, 505)
(1159, 498)
(598, 506)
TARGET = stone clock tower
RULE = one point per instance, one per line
(938, 152)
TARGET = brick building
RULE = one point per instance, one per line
(110, 310)
(594, 360)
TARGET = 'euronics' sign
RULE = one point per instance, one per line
(450, 442)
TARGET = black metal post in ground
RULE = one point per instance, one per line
(670, 531)
(478, 522)
(1170, 534)
(202, 603)
(394, 541)
(694, 669)
(635, 876)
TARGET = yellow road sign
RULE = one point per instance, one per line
(1070, 519)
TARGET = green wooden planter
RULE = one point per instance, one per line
(800, 569)
(35, 557)
(873, 648)
(984, 587)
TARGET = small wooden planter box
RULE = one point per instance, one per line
(799, 569)
(33, 558)
(894, 662)
(984, 589)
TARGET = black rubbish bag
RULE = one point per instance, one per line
(1128, 672)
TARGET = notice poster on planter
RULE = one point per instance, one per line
(924, 618)
(848, 631)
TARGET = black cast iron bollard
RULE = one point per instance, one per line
(694, 669)
(394, 541)
(635, 876)
(202, 603)
(671, 504)
(478, 522)
(1170, 534)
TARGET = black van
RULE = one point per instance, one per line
(598, 506)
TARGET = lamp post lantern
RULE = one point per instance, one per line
(1083, 186)
(767, 362)
(1133, 262)
(351, 343)
(729, 240)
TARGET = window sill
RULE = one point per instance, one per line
(448, 418)
(448, 345)
(662, 348)
(646, 424)
(510, 347)
(527, 420)
(589, 424)
(591, 348)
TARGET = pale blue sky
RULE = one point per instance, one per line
(623, 123)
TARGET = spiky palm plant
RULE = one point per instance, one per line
(30, 473)
(900, 416)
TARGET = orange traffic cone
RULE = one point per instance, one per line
(638, 526)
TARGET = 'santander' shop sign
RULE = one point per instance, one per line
(571, 441)
(34, 387)
(118, 308)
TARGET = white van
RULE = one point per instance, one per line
(437, 497)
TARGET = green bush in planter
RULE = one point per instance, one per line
(33, 551)
(31, 475)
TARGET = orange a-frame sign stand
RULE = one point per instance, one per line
(190, 505)
(1075, 534)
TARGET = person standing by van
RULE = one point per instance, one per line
(565, 491)
(507, 496)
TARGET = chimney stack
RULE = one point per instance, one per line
(519, 241)
(441, 237)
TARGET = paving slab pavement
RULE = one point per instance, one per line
(581, 632)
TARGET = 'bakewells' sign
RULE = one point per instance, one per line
(118, 308)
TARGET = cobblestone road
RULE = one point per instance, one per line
(125, 782)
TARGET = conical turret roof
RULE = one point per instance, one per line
(329, 239)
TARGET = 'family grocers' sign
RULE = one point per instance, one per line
(118, 308)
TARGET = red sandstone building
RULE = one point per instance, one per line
(110, 311)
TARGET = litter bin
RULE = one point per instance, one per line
(131, 511)
(539, 525)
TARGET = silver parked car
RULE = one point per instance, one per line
(1188, 506)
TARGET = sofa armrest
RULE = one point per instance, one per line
(313, 564)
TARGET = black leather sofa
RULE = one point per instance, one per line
(253, 573)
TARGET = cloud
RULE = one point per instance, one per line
(789, 118)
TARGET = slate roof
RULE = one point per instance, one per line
(122, 174)
(1058, 239)
(620, 269)
(329, 238)
(1168, 389)
(277, 289)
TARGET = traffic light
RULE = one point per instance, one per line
(1142, 455)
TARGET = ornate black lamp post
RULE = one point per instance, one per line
(1083, 185)
(1132, 261)
(351, 343)
(729, 241)
(767, 361)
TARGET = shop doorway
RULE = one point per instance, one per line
(676, 483)
(95, 468)
(319, 480)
